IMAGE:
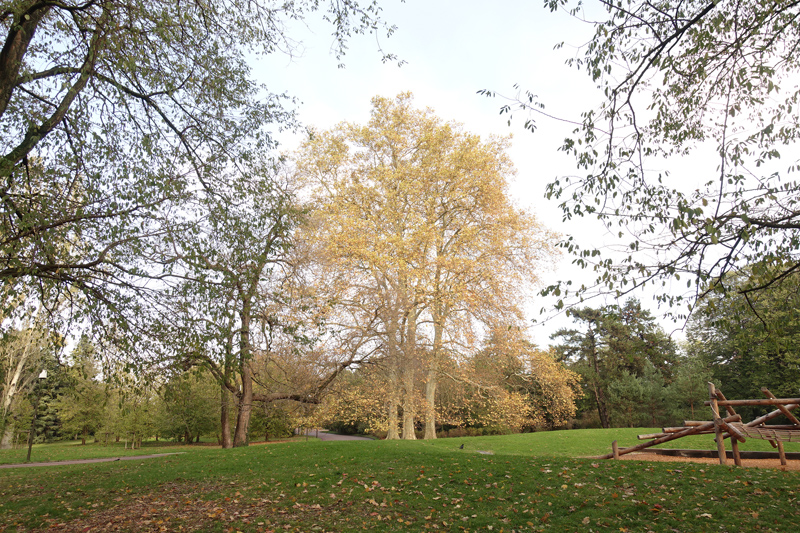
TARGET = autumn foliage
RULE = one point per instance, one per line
(417, 243)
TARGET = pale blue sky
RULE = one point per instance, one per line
(451, 50)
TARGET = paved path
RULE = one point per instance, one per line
(85, 461)
(322, 434)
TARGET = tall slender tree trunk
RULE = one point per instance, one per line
(430, 404)
(245, 396)
(409, 412)
(11, 390)
(394, 377)
(432, 378)
(409, 377)
(225, 421)
(597, 385)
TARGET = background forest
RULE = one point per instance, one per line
(168, 273)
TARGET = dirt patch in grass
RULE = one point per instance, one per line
(181, 507)
(747, 463)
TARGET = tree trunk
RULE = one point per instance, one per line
(8, 438)
(245, 396)
(409, 411)
(394, 378)
(599, 395)
(391, 432)
(409, 375)
(602, 408)
(11, 388)
(225, 421)
(433, 369)
(430, 405)
(245, 405)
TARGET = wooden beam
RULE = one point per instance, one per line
(764, 401)
(648, 436)
(788, 414)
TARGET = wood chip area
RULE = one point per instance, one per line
(746, 463)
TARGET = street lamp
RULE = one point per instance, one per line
(37, 390)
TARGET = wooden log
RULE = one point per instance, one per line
(765, 401)
(732, 431)
(648, 436)
(688, 431)
(615, 450)
(788, 414)
(723, 458)
(722, 397)
(693, 423)
(769, 416)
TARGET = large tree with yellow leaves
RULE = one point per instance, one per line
(413, 221)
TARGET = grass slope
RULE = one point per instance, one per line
(532, 482)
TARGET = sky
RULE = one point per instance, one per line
(450, 50)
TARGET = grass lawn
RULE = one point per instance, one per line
(533, 482)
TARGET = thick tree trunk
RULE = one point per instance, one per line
(245, 406)
(391, 432)
(7, 441)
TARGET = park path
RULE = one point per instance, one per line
(86, 461)
(323, 435)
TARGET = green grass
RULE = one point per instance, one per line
(71, 450)
(533, 482)
(63, 451)
(588, 442)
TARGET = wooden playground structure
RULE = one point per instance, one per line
(730, 426)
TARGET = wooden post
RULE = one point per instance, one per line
(737, 458)
(615, 449)
(735, 434)
(781, 453)
(723, 460)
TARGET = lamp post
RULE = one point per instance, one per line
(37, 390)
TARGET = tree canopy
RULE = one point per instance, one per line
(750, 342)
(423, 247)
(113, 113)
(711, 82)
(612, 348)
